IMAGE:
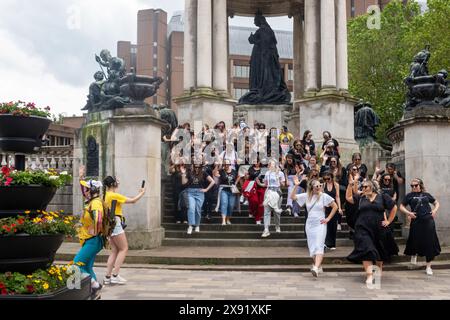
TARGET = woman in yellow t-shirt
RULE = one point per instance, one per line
(90, 233)
(118, 240)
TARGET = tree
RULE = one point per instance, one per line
(379, 60)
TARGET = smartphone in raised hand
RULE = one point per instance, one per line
(143, 184)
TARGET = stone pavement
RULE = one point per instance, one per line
(153, 284)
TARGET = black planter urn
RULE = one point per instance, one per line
(26, 254)
(22, 134)
(14, 200)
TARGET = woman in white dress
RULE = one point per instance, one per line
(316, 223)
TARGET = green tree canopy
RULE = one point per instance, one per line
(379, 59)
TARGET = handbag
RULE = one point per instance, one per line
(234, 189)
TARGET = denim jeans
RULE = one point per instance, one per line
(195, 199)
(227, 202)
(87, 255)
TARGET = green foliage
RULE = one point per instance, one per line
(24, 109)
(379, 60)
(50, 178)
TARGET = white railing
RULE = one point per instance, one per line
(60, 158)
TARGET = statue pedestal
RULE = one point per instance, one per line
(427, 156)
(371, 151)
(129, 147)
(269, 114)
(333, 112)
(206, 107)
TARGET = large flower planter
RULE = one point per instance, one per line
(26, 254)
(15, 200)
(22, 134)
(62, 294)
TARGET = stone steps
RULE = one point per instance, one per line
(257, 242)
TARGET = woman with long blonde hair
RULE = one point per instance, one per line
(316, 223)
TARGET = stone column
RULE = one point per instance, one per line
(299, 75)
(311, 45)
(190, 44)
(220, 53)
(341, 46)
(204, 44)
(328, 44)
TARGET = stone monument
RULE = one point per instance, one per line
(423, 135)
(118, 139)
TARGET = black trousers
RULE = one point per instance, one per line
(330, 240)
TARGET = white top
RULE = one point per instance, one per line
(273, 179)
(319, 208)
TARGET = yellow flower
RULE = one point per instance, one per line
(30, 276)
(62, 211)
(27, 212)
(66, 222)
(37, 220)
(45, 285)
(60, 278)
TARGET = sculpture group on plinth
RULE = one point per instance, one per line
(425, 89)
(114, 88)
(267, 85)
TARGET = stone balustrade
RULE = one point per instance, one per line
(55, 157)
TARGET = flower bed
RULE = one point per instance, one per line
(29, 243)
(56, 282)
(28, 190)
(24, 109)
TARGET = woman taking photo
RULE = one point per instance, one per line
(118, 239)
(331, 188)
(195, 181)
(374, 241)
(316, 224)
(422, 240)
(308, 143)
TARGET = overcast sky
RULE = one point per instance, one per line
(47, 47)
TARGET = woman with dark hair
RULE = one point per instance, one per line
(356, 162)
(195, 180)
(297, 151)
(308, 144)
(255, 192)
(228, 181)
(374, 241)
(331, 188)
(118, 240)
(387, 186)
(423, 240)
(290, 172)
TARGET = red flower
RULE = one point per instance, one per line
(5, 171)
(30, 288)
(20, 221)
(4, 292)
(8, 181)
(2, 285)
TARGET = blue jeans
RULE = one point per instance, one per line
(227, 202)
(87, 255)
(195, 202)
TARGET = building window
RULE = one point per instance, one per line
(291, 75)
(241, 71)
(238, 93)
(352, 5)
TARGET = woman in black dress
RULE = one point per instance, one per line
(422, 240)
(331, 188)
(374, 241)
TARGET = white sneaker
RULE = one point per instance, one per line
(414, 260)
(106, 281)
(265, 234)
(296, 215)
(278, 230)
(369, 281)
(332, 248)
(339, 228)
(315, 271)
(228, 222)
(250, 216)
(320, 270)
(241, 200)
(289, 211)
(258, 223)
(245, 203)
(197, 229)
(429, 271)
(118, 280)
(224, 223)
(189, 230)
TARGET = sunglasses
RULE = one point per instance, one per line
(326, 179)
(355, 169)
(333, 162)
(387, 179)
(365, 187)
(414, 185)
(318, 186)
(357, 159)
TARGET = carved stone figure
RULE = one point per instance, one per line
(423, 89)
(267, 84)
(92, 157)
(366, 121)
(94, 98)
(445, 99)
